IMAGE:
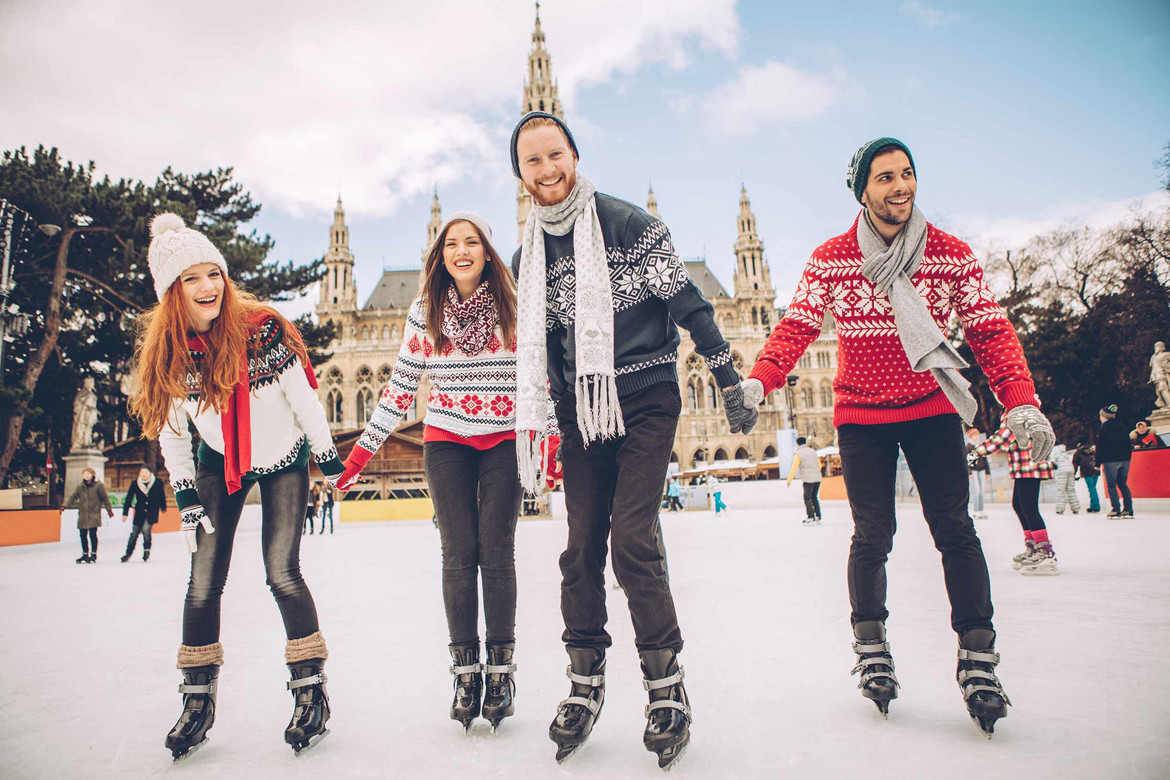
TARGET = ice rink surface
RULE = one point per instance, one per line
(89, 685)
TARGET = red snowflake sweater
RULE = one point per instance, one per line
(472, 399)
(874, 382)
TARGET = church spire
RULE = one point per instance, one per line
(751, 269)
(652, 203)
(338, 289)
(435, 225)
(540, 94)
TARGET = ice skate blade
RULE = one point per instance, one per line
(310, 743)
(565, 752)
(178, 755)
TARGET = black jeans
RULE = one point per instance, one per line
(139, 528)
(614, 487)
(1117, 478)
(812, 504)
(936, 455)
(1026, 503)
(477, 495)
(282, 498)
(88, 539)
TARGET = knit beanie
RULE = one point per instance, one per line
(1109, 411)
(533, 115)
(467, 216)
(174, 248)
(858, 174)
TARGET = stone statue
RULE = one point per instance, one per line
(1160, 374)
(85, 414)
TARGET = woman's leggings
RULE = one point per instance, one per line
(1026, 502)
(88, 539)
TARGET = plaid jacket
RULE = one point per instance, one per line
(1020, 463)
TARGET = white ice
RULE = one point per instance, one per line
(88, 685)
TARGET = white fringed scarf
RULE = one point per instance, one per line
(599, 415)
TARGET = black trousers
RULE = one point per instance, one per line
(1026, 503)
(139, 528)
(477, 495)
(282, 498)
(613, 492)
(812, 504)
(88, 539)
(936, 455)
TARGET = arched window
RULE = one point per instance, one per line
(333, 376)
(385, 333)
(697, 458)
(805, 361)
(742, 454)
(365, 333)
(769, 451)
(692, 399)
(755, 316)
(364, 375)
(712, 397)
(764, 317)
(333, 406)
(393, 333)
(365, 406)
(826, 395)
(807, 397)
(673, 456)
(720, 454)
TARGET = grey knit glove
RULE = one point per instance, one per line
(741, 413)
(1029, 425)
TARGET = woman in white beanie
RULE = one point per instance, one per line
(211, 353)
(461, 331)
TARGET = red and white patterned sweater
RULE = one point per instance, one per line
(472, 399)
(875, 383)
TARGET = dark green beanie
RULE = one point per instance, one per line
(858, 174)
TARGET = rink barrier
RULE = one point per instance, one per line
(29, 526)
(1149, 474)
(378, 510)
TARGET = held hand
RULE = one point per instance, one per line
(193, 517)
(753, 391)
(1031, 428)
(741, 416)
(347, 478)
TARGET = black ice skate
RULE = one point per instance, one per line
(83, 559)
(986, 700)
(310, 704)
(668, 715)
(875, 664)
(190, 732)
(468, 683)
(499, 700)
(577, 714)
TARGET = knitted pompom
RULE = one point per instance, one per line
(166, 222)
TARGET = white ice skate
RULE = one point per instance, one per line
(1042, 563)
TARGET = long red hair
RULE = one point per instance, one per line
(162, 357)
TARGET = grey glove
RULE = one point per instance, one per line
(1031, 428)
(741, 414)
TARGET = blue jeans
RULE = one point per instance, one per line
(1094, 499)
(977, 491)
(1117, 478)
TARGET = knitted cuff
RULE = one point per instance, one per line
(1018, 394)
(186, 497)
(328, 462)
(359, 456)
(768, 374)
(305, 648)
(204, 655)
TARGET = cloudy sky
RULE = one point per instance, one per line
(1021, 116)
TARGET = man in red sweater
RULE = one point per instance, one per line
(892, 282)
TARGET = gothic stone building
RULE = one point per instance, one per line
(370, 335)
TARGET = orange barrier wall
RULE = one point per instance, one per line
(1149, 474)
(833, 489)
(29, 526)
(168, 520)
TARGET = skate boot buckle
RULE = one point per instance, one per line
(209, 688)
(304, 682)
(593, 681)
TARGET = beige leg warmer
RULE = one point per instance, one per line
(204, 655)
(311, 646)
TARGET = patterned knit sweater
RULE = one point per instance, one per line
(1020, 463)
(472, 397)
(287, 421)
(652, 291)
(875, 383)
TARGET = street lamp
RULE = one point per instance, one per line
(791, 391)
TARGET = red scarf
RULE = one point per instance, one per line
(236, 420)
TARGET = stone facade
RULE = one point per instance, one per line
(370, 335)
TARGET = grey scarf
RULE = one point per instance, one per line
(889, 269)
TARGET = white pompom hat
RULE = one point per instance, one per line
(174, 248)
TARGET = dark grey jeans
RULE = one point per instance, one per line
(282, 499)
(613, 491)
(1117, 479)
(477, 495)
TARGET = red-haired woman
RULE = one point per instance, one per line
(235, 367)
(461, 331)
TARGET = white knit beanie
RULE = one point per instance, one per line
(467, 216)
(174, 248)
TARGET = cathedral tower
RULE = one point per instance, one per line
(338, 288)
(652, 204)
(434, 226)
(753, 278)
(540, 94)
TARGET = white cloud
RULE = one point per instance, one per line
(384, 100)
(985, 232)
(764, 94)
(931, 17)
